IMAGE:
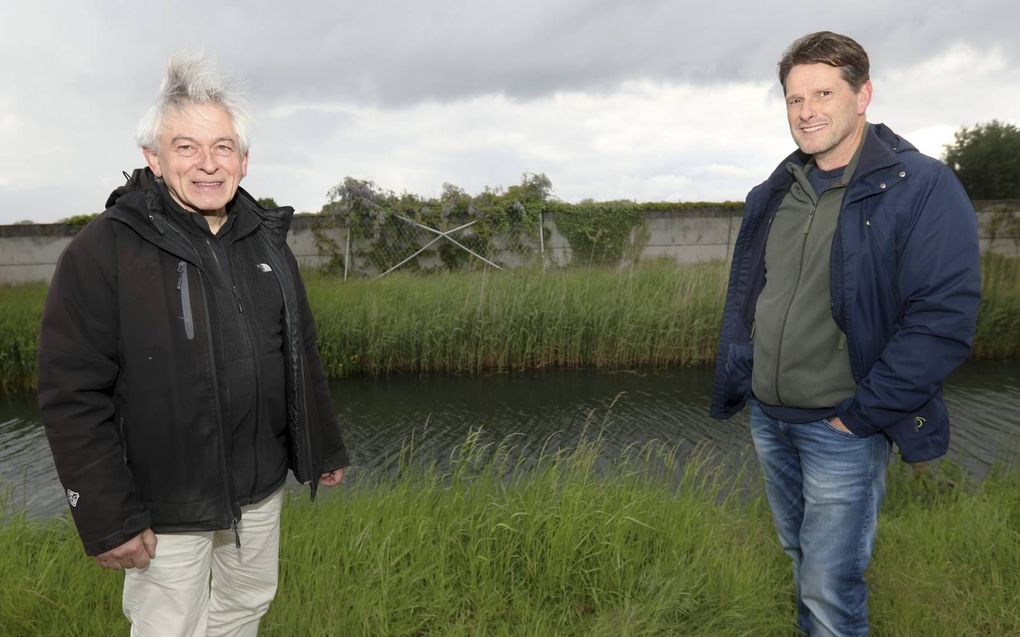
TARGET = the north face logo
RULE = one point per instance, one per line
(72, 498)
(264, 267)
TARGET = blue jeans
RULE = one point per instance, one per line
(825, 488)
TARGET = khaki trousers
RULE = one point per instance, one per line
(201, 585)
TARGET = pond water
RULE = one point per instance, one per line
(629, 408)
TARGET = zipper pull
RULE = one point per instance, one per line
(180, 274)
(237, 536)
(810, 218)
(237, 297)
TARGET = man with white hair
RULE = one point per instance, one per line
(178, 373)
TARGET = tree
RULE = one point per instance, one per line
(268, 203)
(986, 158)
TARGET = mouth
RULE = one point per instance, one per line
(207, 186)
(814, 128)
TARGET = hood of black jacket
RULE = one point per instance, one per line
(141, 196)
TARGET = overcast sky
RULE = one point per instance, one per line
(623, 99)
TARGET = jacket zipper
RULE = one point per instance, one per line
(789, 305)
(250, 341)
(228, 491)
(233, 516)
(185, 290)
(281, 268)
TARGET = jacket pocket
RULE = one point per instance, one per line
(184, 288)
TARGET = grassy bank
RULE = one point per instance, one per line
(556, 550)
(658, 314)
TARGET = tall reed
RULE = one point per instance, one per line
(998, 327)
(653, 315)
(20, 315)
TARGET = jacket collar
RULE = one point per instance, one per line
(878, 167)
(140, 204)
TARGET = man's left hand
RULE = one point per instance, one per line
(838, 424)
(332, 478)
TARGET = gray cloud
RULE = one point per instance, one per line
(393, 52)
(400, 92)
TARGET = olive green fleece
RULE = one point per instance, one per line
(800, 356)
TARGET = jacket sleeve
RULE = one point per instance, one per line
(78, 352)
(732, 377)
(939, 281)
(334, 452)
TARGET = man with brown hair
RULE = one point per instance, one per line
(853, 294)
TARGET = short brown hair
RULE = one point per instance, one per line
(826, 47)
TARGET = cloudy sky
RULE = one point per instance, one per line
(650, 100)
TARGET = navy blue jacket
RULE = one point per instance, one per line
(905, 287)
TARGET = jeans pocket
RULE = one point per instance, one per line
(846, 434)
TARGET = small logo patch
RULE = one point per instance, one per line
(72, 498)
(918, 423)
(264, 267)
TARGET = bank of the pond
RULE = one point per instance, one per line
(653, 315)
(555, 550)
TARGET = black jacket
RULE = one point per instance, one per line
(134, 372)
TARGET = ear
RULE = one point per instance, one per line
(244, 165)
(863, 97)
(152, 159)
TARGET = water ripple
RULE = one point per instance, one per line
(557, 407)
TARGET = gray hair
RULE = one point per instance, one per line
(193, 79)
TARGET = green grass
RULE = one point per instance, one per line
(998, 326)
(498, 546)
(20, 316)
(655, 315)
(652, 316)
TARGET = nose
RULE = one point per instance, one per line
(206, 161)
(807, 111)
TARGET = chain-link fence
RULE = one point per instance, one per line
(505, 234)
(400, 243)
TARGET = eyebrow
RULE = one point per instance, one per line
(831, 89)
(192, 139)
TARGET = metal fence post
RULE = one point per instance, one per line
(541, 236)
(347, 252)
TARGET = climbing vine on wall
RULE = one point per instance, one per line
(600, 231)
(506, 222)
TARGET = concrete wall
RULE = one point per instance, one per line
(29, 252)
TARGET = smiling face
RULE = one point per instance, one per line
(199, 158)
(826, 115)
